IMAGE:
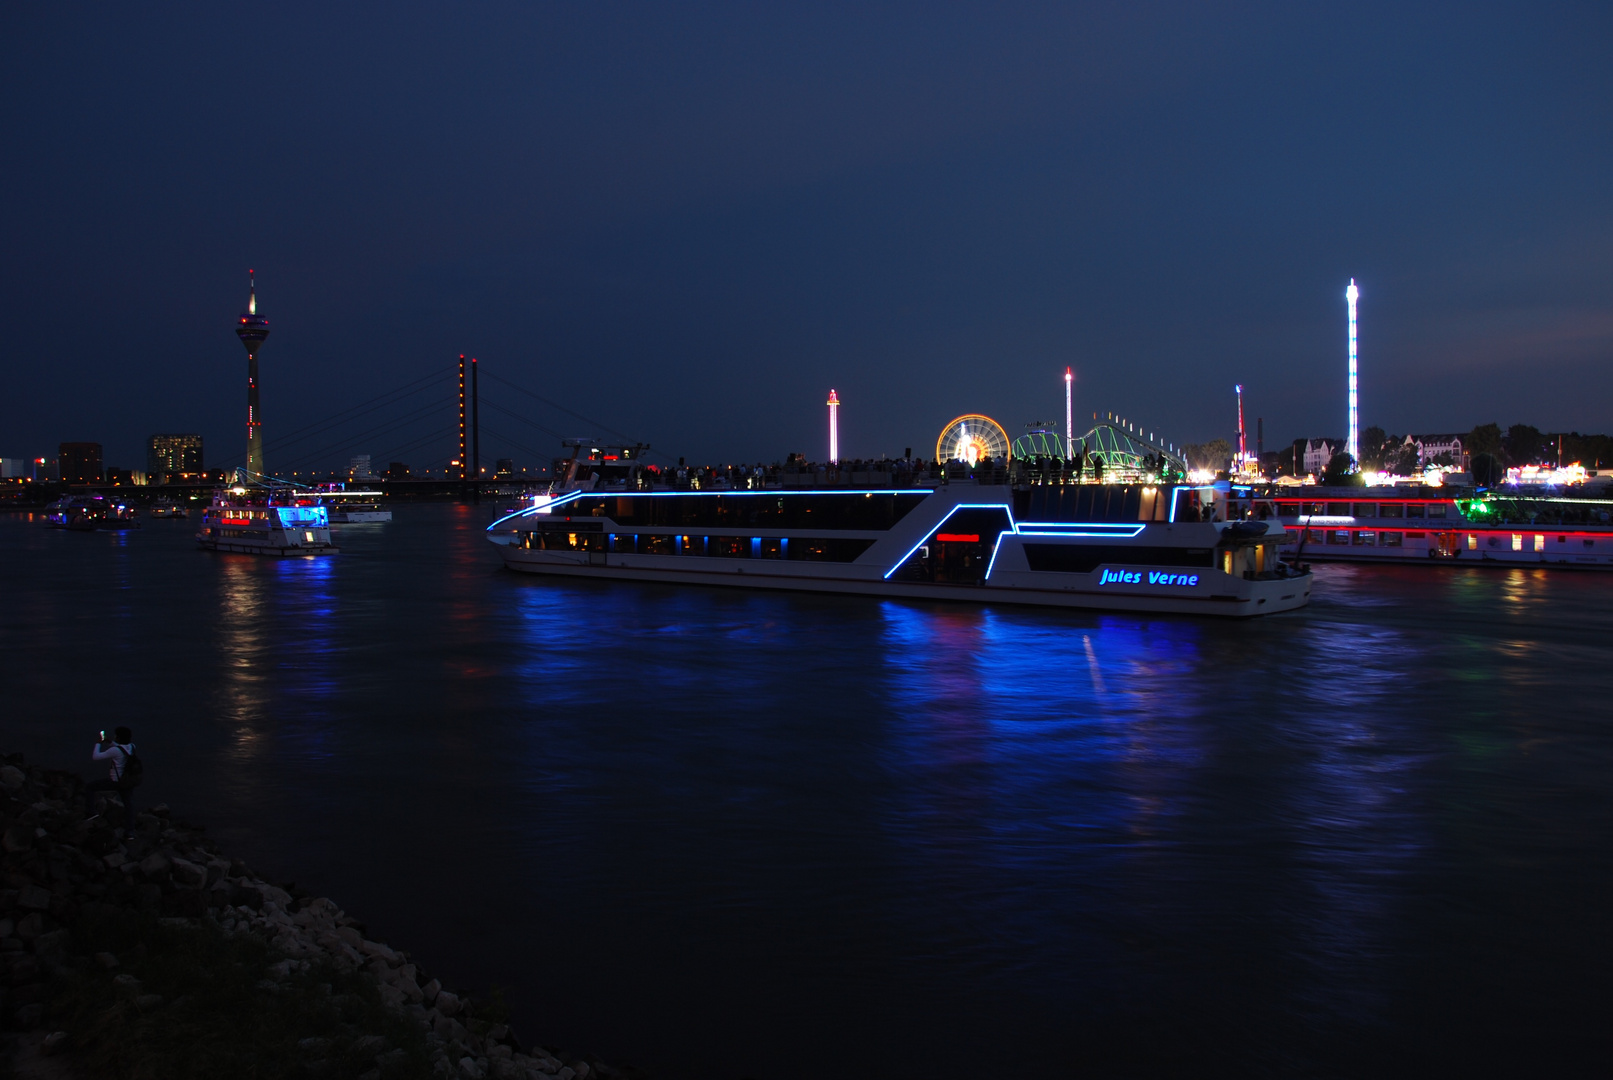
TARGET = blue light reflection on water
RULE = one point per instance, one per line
(688, 826)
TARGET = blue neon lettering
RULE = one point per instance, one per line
(1154, 577)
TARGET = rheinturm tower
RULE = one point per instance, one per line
(253, 330)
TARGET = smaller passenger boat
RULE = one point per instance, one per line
(266, 521)
(164, 508)
(90, 513)
(352, 507)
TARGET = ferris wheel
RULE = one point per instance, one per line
(970, 438)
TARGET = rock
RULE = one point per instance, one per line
(469, 1069)
(147, 1002)
(350, 937)
(114, 860)
(106, 960)
(246, 896)
(313, 1045)
(391, 996)
(370, 1044)
(154, 864)
(126, 981)
(188, 875)
(33, 898)
(12, 777)
(17, 838)
(7, 928)
(30, 926)
(379, 951)
(52, 1042)
(391, 1059)
(448, 1004)
(428, 992)
(51, 942)
(567, 1073)
(504, 1069)
(499, 1051)
(582, 1070)
(28, 1016)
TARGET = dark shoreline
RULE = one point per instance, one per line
(162, 957)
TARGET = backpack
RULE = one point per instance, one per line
(134, 770)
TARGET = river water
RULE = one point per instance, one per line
(715, 833)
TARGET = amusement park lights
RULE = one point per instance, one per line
(834, 426)
(1352, 445)
(1069, 417)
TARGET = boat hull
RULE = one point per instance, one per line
(1234, 598)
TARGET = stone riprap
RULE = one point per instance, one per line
(59, 869)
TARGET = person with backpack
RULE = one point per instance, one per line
(125, 774)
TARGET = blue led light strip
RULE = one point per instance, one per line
(937, 528)
(1077, 528)
(573, 495)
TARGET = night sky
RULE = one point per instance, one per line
(688, 222)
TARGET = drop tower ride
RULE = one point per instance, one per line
(253, 330)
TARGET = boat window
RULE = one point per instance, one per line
(1085, 558)
(1105, 502)
(1414, 510)
(1392, 510)
(729, 547)
(771, 547)
(655, 544)
(1472, 542)
(1517, 541)
(1366, 510)
(1366, 537)
(1341, 536)
(692, 545)
(1392, 539)
(1436, 509)
(1416, 536)
(1540, 542)
(1338, 509)
(826, 550)
(869, 511)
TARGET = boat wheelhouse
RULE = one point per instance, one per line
(1419, 525)
(265, 521)
(1111, 547)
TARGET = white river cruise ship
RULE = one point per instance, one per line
(1110, 547)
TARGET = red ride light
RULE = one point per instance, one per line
(958, 538)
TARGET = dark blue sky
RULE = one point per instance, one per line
(690, 221)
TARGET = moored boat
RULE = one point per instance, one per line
(1422, 525)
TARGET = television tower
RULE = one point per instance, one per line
(1352, 445)
(253, 330)
(834, 426)
(1069, 417)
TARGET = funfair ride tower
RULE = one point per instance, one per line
(253, 330)
(834, 426)
(1069, 416)
(1352, 445)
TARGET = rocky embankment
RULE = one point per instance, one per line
(161, 956)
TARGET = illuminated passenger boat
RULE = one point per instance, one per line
(89, 513)
(265, 521)
(1108, 547)
(1397, 525)
(352, 507)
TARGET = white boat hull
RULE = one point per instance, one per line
(1226, 597)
